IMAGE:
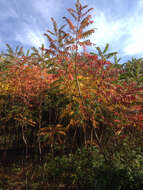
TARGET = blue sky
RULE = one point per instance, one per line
(118, 22)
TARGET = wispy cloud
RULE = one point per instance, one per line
(107, 30)
(30, 37)
(124, 34)
(30, 33)
(48, 8)
(7, 10)
(140, 4)
(134, 43)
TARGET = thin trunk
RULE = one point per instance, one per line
(100, 147)
(23, 136)
(40, 125)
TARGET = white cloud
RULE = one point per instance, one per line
(107, 30)
(125, 33)
(110, 30)
(30, 34)
(31, 37)
(140, 4)
(135, 43)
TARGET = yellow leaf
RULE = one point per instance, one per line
(94, 123)
(62, 132)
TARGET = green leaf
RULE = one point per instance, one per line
(55, 26)
(27, 53)
(109, 55)
(106, 48)
(99, 51)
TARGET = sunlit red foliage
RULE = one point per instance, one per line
(28, 81)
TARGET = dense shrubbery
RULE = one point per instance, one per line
(57, 102)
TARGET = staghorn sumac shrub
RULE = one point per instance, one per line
(94, 99)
